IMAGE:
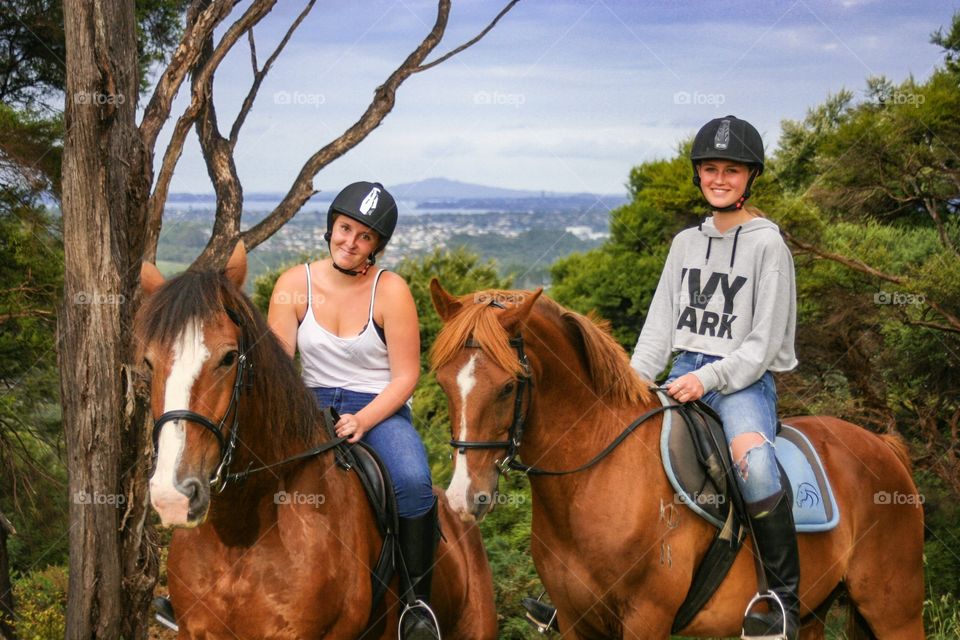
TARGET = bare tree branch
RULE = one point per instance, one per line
(469, 43)
(862, 267)
(384, 98)
(200, 24)
(850, 263)
(203, 78)
(260, 74)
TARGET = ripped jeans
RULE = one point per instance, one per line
(753, 409)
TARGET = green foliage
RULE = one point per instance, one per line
(41, 600)
(32, 476)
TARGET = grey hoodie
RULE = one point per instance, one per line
(724, 294)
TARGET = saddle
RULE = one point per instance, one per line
(698, 464)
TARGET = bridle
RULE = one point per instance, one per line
(228, 444)
(515, 434)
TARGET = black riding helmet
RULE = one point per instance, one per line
(368, 203)
(729, 138)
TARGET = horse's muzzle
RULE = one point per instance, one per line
(182, 505)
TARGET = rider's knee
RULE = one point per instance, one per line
(755, 460)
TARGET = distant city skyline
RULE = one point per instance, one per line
(560, 96)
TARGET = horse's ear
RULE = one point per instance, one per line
(512, 318)
(446, 305)
(236, 269)
(150, 278)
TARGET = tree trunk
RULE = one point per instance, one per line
(6, 589)
(112, 562)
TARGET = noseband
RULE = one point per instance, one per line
(515, 434)
(227, 444)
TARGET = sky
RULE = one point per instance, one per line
(562, 96)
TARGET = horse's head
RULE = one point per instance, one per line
(480, 372)
(191, 336)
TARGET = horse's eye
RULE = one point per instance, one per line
(148, 364)
(229, 359)
(507, 389)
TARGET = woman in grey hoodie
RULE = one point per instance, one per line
(726, 305)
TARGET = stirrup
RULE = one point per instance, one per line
(769, 595)
(418, 604)
(536, 609)
(164, 613)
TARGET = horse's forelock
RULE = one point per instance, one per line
(188, 297)
(478, 321)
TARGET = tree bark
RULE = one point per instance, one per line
(112, 564)
(6, 588)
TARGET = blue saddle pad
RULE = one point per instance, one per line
(814, 505)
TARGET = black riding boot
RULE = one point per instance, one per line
(418, 545)
(777, 541)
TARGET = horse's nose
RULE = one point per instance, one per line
(198, 498)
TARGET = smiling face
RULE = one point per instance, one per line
(352, 242)
(723, 181)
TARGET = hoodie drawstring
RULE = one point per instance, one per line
(733, 254)
(709, 245)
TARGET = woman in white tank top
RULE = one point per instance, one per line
(358, 334)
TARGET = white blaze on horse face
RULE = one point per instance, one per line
(189, 354)
(457, 492)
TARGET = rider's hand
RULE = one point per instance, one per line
(350, 427)
(686, 388)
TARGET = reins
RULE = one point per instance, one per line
(515, 433)
(244, 381)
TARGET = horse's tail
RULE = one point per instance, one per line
(899, 448)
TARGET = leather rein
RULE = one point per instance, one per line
(244, 382)
(515, 433)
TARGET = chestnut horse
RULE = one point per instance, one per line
(287, 552)
(614, 550)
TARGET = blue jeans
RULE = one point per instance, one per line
(750, 410)
(398, 445)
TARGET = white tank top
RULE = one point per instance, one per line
(358, 363)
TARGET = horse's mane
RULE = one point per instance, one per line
(278, 392)
(610, 375)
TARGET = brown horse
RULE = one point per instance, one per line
(287, 552)
(614, 551)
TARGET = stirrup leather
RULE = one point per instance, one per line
(760, 597)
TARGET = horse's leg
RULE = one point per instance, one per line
(885, 579)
